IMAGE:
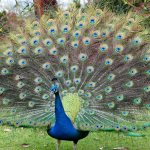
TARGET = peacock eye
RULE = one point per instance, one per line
(50, 22)
(134, 128)
(87, 94)
(61, 41)
(95, 34)
(108, 89)
(37, 33)
(38, 80)
(8, 53)
(137, 41)
(64, 93)
(59, 74)
(117, 127)
(83, 57)
(74, 68)
(38, 50)
(118, 48)
(45, 96)
(111, 77)
(35, 42)
(22, 50)
(129, 84)
(20, 85)
(103, 47)
(38, 89)
(119, 37)
(111, 105)
(22, 62)
(77, 80)
(53, 51)
(133, 71)
(147, 106)
(148, 72)
(80, 25)
(68, 82)
(48, 42)
(92, 21)
(125, 128)
(77, 34)
(1, 122)
(146, 58)
(128, 58)
(4, 71)
(120, 97)
(108, 61)
(22, 95)
(91, 84)
(5, 101)
(99, 97)
(147, 88)
(2, 90)
(65, 29)
(35, 24)
(75, 44)
(72, 89)
(81, 92)
(52, 30)
(104, 34)
(64, 59)
(137, 101)
(23, 42)
(46, 66)
(66, 14)
(90, 69)
(124, 113)
(10, 61)
(86, 41)
(31, 104)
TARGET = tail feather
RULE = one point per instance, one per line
(101, 57)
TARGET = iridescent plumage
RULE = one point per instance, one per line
(101, 61)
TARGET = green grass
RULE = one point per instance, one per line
(39, 140)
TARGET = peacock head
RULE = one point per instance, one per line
(55, 87)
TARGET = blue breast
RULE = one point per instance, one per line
(63, 128)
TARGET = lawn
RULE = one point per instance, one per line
(37, 139)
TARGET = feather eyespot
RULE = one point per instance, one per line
(83, 57)
(99, 97)
(77, 80)
(22, 62)
(59, 74)
(4, 71)
(103, 47)
(74, 68)
(68, 82)
(53, 51)
(147, 88)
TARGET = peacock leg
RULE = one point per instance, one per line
(75, 145)
(58, 144)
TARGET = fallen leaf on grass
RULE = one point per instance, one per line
(7, 130)
(120, 148)
(25, 145)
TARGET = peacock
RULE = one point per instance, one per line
(78, 71)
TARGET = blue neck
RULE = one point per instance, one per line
(60, 114)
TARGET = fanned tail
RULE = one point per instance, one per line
(102, 64)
